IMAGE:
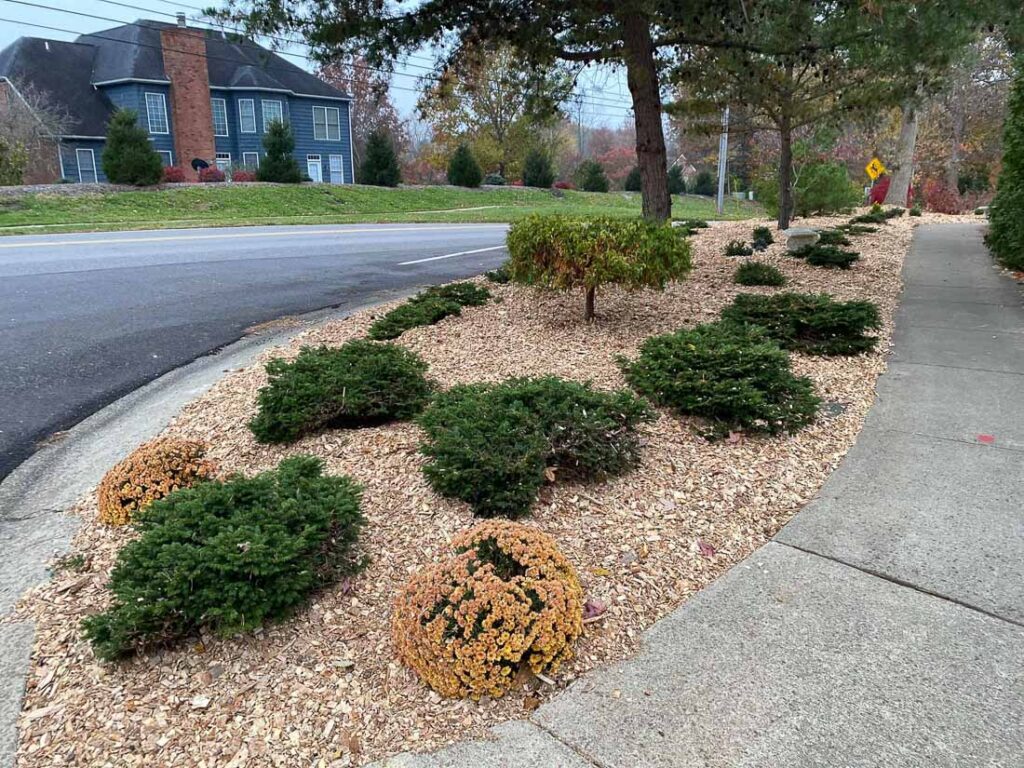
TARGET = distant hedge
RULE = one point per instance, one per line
(1006, 234)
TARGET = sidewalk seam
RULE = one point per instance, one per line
(902, 583)
(572, 747)
(958, 440)
(958, 367)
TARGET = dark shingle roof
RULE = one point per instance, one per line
(63, 70)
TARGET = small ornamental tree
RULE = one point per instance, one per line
(129, 157)
(632, 182)
(537, 170)
(676, 182)
(463, 169)
(279, 164)
(13, 160)
(565, 254)
(380, 168)
(590, 177)
(1006, 238)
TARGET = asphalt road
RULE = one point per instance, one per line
(86, 318)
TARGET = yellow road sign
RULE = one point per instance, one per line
(874, 168)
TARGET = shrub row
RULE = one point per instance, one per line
(428, 307)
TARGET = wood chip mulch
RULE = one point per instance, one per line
(323, 689)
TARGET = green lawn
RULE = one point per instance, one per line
(202, 205)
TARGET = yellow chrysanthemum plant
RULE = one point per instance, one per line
(507, 600)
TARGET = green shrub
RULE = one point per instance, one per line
(428, 307)
(13, 162)
(827, 256)
(856, 229)
(676, 182)
(380, 167)
(563, 253)
(762, 238)
(227, 557)
(537, 170)
(757, 273)
(499, 276)
(633, 182)
(810, 323)
(738, 248)
(463, 170)
(590, 177)
(824, 188)
(278, 164)
(694, 223)
(128, 156)
(877, 215)
(360, 383)
(494, 180)
(704, 184)
(732, 375)
(832, 237)
(492, 445)
(1006, 214)
(915, 210)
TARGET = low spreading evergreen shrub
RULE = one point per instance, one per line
(762, 238)
(811, 323)
(857, 229)
(493, 445)
(694, 223)
(827, 256)
(427, 308)
(499, 275)
(227, 557)
(738, 248)
(732, 375)
(494, 180)
(834, 237)
(915, 210)
(360, 383)
(757, 273)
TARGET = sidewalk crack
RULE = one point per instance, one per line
(583, 755)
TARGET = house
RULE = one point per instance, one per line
(202, 95)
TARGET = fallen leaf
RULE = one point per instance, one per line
(706, 549)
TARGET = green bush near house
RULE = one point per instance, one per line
(537, 170)
(427, 308)
(278, 164)
(128, 156)
(228, 557)
(732, 375)
(828, 256)
(812, 323)
(758, 273)
(463, 169)
(494, 445)
(358, 384)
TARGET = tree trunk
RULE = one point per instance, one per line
(785, 173)
(642, 79)
(903, 169)
(588, 313)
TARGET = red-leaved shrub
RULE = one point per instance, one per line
(564, 185)
(941, 198)
(211, 175)
(516, 183)
(243, 175)
(881, 189)
(174, 175)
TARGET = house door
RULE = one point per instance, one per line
(337, 169)
(86, 165)
(313, 168)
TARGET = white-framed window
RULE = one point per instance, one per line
(86, 160)
(251, 159)
(336, 165)
(166, 157)
(223, 160)
(246, 116)
(219, 108)
(313, 168)
(326, 124)
(272, 111)
(156, 113)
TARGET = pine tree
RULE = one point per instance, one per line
(705, 185)
(676, 183)
(463, 170)
(1006, 237)
(279, 163)
(380, 168)
(129, 157)
(632, 183)
(537, 170)
(590, 177)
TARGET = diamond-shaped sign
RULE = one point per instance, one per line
(875, 168)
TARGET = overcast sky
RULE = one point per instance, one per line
(605, 98)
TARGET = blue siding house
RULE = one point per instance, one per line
(205, 97)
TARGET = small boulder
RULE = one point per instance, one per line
(800, 237)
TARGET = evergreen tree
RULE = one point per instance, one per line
(129, 157)
(279, 163)
(463, 170)
(537, 170)
(380, 168)
(705, 185)
(632, 183)
(1006, 237)
(676, 183)
(590, 177)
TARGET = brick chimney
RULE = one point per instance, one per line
(184, 52)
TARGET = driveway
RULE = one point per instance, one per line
(86, 318)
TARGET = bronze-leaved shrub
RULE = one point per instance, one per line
(148, 473)
(507, 600)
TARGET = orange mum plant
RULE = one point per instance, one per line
(148, 473)
(507, 600)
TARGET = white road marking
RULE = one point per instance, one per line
(237, 235)
(452, 255)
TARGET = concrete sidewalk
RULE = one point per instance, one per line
(885, 625)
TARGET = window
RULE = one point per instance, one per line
(251, 159)
(337, 166)
(156, 113)
(166, 157)
(223, 160)
(326, 124)
(246, 116)
(86, 165)
(219, 108)
(314, 169)
(271, 112)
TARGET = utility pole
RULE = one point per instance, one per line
(723, 159)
